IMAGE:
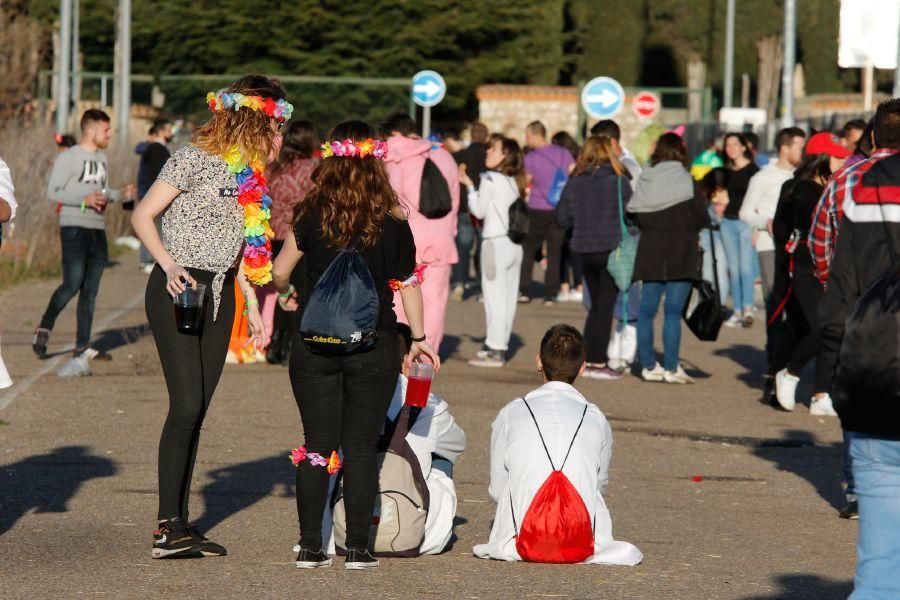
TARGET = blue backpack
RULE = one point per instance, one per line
(341, 316)
(557, 184)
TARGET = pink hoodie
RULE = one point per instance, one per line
(435, 238)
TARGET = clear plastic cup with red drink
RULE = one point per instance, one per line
(419, 384)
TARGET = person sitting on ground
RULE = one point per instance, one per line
(553, 429)
(437, 441)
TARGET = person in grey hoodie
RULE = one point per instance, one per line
(79, 184)
(670, 215)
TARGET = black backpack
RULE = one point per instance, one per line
(435, 201)
(518, 226)
(342, 313)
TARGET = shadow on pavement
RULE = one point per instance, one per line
(46, 482)
(819, 464)
(753, 359)
(807, 587)
(122, 336)
(238, 487)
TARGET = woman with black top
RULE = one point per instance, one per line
(737, 236)
(590, 206)
(343, 400)
(670, 215)
(795, 279)
(201, 194)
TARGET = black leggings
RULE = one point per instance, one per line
(602, 289)
(343, 402)
(192, 365)
(800, 343)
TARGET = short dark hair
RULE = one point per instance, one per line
(537, 128)
(787, 135)
(478, 132)
(159, 124)
(400, 122)
(887, 124)
(857, 124)
(669, 146)
(607, 127)
(404, 339)
(562, 353)
(93, 115)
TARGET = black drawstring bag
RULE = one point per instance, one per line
(341, 316)
(435, 201)
(703, 312)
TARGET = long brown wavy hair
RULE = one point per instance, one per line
(512, 164)
(597, 151)
(249, 130)
(352, 196)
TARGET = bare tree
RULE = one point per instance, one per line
(769, 52)
(24, 41)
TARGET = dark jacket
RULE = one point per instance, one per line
(669, 246)
(868, 246)
(153, 157)
(796, 205)
(590, 206)
(473, 157)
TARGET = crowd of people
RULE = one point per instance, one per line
(286, 233)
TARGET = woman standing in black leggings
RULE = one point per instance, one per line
(343, 400)
(213, 194)
(795, 280)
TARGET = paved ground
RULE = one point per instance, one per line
(78, 476)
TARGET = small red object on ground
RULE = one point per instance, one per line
(697, 478)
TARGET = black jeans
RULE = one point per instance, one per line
(343, 402)
(467, 237)
(192, 365)
(602, 288)
(542, 226)
(571, 264)
(84, 256)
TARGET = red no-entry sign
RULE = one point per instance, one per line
(646, 104)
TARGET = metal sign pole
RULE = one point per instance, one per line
(123, 115)
(65, 66)
(729, 56)
(426, 122)
(790, 58)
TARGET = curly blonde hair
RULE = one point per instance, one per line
(248, 130)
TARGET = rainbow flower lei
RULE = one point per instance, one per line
(279, 109)
(253, 196)
(348, 148)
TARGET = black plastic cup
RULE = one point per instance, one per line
(189, 308)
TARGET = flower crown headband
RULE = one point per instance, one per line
(369, 147)
(279, 109)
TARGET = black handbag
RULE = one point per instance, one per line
(703, 312)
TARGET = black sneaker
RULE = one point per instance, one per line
(850, 511)
(207, 547)
(173, 540)
(312, 559)
(359, 559)
(39, 344)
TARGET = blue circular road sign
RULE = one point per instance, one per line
(602, 97)
(428, 88)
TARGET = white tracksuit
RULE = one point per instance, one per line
(501, 259)
(519, 467)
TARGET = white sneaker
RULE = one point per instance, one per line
(562, 296)
(576, 296)
(786, 389)
(735, 320)
(822, 407)
(458, 291)
(657, 373)
(677, 376)
(749, 317)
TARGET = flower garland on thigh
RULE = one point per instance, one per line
(253, 189)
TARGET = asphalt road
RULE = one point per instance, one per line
(78, 475)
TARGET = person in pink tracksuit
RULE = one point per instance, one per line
(435, 238)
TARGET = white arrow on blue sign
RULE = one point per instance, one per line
(428, 88)
(602, 97)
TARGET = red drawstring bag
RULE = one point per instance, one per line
(557, 527)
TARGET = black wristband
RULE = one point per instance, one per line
(421, 339)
